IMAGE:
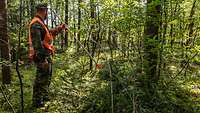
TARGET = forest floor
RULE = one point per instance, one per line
(71, 83)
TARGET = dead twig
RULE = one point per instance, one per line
(5, 97)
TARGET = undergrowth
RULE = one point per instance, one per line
(113, 88)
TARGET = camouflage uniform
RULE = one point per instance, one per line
(42, 55)
(43, 75)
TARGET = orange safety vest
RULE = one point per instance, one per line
(46, 42)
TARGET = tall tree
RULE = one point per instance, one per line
(66, 21)
(52, 19)
(191, 24)
(32, 8)
(4, 43)
(74, 21)
(92, 28)
(79, 23)
(151, 41)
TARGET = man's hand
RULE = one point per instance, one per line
(63, 27)
(58, 29)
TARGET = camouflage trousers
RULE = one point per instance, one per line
(41, 83)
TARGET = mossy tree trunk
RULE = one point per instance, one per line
(151, 46)
(4, 43)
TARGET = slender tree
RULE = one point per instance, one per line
(74, 22)
(4, 43)
(92, 28)
(52, 19)
(32, 8)
(79, 23)
(66, 21)
(191, 24)
(18, 57)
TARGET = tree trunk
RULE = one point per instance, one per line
(191, 25)
(66, 21)
(163, 36)
(32, 6)
(4, 43)
(52, 19)
(151, 41)
(92, 27)
(74, 22)
(79, 24)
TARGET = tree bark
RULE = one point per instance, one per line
(32, 6)
(66, 21)
(4, 43)
(74, 23)
(191, 25)
(92, 28)
(151, 41)
(79, 24)
(52, 20)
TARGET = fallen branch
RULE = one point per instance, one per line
(5, 97)
(185, 66)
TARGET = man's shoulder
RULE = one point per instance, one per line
(36, 25)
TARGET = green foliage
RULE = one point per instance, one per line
(119, 26)
(129, 94)
(99, 101)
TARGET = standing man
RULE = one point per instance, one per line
(40, 51)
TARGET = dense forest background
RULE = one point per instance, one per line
(118, 56)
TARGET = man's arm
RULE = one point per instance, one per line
(57, 29)
(36, 33)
